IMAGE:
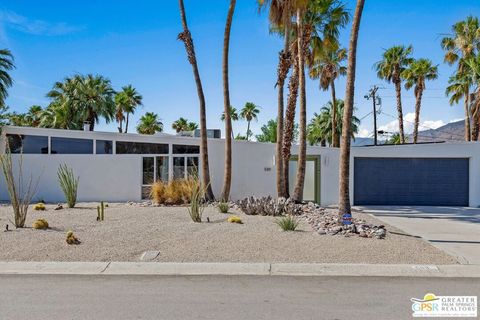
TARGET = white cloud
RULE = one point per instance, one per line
(408, 122)
(363, 133)
(37, 27)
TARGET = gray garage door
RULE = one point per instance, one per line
(411, 181)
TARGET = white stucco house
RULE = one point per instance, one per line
(120, 167)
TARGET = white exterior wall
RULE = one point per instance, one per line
(119, 177)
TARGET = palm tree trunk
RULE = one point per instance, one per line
(418, 104)
(468, 132)
(248, 130)
(126, 122)
(283, 67)
(289, 125)
(186, 37)
(398, 90)
(227, 178)
(344, 183)
(120, 126)
(335, 137)
(302, 150)
(91, 119)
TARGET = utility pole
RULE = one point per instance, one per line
(372, 94)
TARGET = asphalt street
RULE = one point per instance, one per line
(218, 297)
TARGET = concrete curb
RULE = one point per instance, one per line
(249, 269)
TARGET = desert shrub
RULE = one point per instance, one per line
(173, 192)
(223, 207)
(234, 219)
(196, 207)
(19, 190)
(39, 207)
(268, 206)
(68, 184)
(40, 224)
(71, 239)
(287, 223)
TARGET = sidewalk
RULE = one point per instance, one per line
(451, 229)
(251, 269)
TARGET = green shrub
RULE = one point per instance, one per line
(39, 207)
(234, 219)
(40, 224)
(287, 223)
(223, 207)
(196, 207)
(71, 239)
(69, 184)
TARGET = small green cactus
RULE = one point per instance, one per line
(101, 211)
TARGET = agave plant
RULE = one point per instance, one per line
(69, 184)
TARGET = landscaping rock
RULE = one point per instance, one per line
(327, 222)
(58, 207)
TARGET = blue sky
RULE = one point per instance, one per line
(135, 43)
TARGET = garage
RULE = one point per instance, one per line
(411, 181)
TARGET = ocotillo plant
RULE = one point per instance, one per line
(69, 184)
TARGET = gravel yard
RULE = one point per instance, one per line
(129, 230)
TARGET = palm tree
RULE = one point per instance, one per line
(472, 68)
(320, 127)
(120, 105)
(327, 66)
(34, 116)
(95, 98)
(132, 100)
(6, 64)
(149, 124)
(227, 178)
(303, 37)
(462, 44)
(233, 116)
(186, 37)
(458, 88)
(390, 68)
(249, 112)
(344, 172)
(180, 125)
(280, 16)
(65, 109)
(415, 75)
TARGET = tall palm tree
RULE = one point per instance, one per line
(459, 87)
(280, 16)
(227, 178)
(320, 127)
(249, 112)
(6, 65)
(95, 97)
(149, 124)
(186, 37)
(390, 68)
(462, 44)
(327, 66)
(132, 100)
(472, 68)
(415, 75)
(302, 150)
(344, 172)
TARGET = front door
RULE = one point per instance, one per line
(311, 189)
